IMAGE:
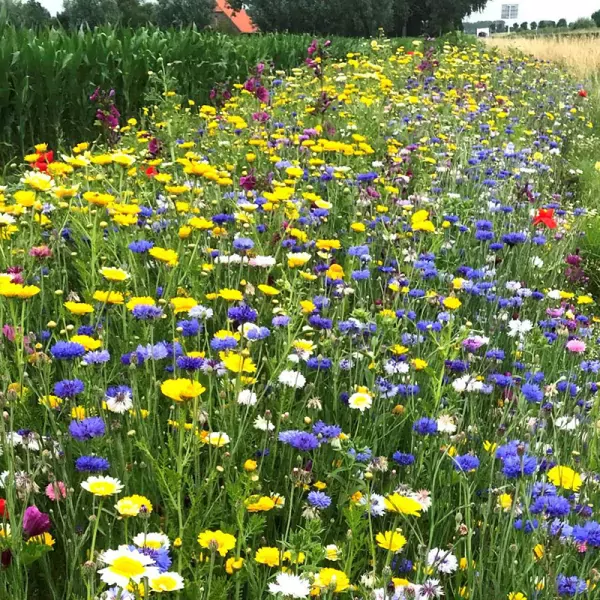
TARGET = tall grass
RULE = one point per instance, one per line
(580, 54)
(46, 77)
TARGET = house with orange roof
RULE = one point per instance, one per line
(234, 21)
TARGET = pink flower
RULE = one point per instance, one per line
(575, 346)
(40, 252)
(56, 491)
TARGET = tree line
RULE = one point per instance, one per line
(501, 26)
(319, 17)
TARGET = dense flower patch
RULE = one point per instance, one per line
(325, 337)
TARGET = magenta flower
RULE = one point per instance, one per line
(35, 522)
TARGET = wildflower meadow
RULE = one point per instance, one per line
(325, 336)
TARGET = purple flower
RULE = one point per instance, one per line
(87, 429)
(466, 463)
(319, 500)
(300, 440)
(570, 586)
(425, 426)
(67, 350)
(68, 388)
(515, 466)
(147, 312)
(92, 464)
(35, 522)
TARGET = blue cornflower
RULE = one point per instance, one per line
(68, 388)
(300, 440)
(361, 275)
(320, 322)
(223, 343)
(92, 464)
(189, 328)
(160, 556)
(553, 506)
(319, 363)
(527, 525)
(319, 500)
(532, 392)
(87, 429)
(96, 357)
(140, 246)
(358, 250)
(242, 314)
(280, 321)
(425, 426)
(570, 586)
(190, 363)
(67, 350)
(327, 432)
(243, 244)
(466, 463)
(147, 312)
(515, 466)
(403, 459)
(514, 238)
(258, 333)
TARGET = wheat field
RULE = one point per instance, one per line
(580, 54)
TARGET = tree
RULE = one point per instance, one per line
(181, 13)
(359, 17)
(30, 14)
(92, 13)
(533, 25)
(134, 14)
(596, 18)
(561, 23)
(524, 26)
(583, 24)
(515, 27)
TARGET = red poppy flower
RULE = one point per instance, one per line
(582, 93)
(3, 509)
(43, 160)
(151, 171)
(545, 217)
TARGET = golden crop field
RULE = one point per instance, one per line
(580, 54)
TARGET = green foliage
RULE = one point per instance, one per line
(360, 17)
(533, 25)
(596, 18)
(561, 23)
(583, 24)
(181, 13)
(91, 13)
(30, 14)
(46, 77)
(340, 17)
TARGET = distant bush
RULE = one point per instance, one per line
(583, 24)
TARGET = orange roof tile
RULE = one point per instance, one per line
(239, 18)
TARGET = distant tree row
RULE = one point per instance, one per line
(502, 27)
(131, 13)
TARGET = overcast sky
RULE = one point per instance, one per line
(529, 10)
(537, 10)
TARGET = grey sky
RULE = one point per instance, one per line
(537, 10)
(529, 10)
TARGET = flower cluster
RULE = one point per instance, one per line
(251, 352)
